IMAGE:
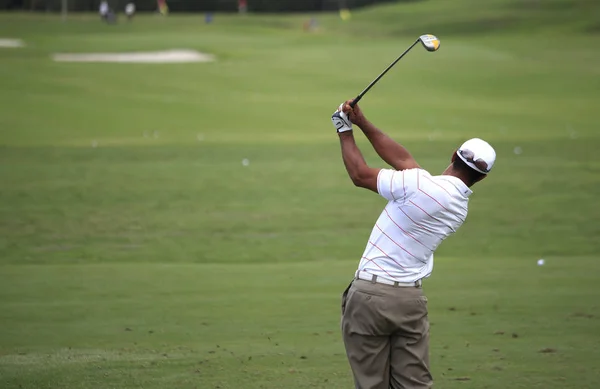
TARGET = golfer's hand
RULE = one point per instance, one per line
(354, 114)
(340, 120)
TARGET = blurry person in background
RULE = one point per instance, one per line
(242, 6)
(104, 10)
(106, 14)
(130, 10)
(311, 25)
(163, 8)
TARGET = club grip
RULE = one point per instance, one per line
(355, 101)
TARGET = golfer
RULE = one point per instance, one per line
(384, 311)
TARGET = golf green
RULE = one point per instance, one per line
(193, 226)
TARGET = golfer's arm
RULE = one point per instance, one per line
(388, 149)
(358, 170)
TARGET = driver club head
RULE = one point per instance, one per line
(430, 42)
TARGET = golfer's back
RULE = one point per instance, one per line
(422, 211)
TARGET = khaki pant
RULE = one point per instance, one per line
(386, 335)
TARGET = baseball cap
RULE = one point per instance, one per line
(478, 155)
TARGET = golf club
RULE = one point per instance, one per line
(430, 43)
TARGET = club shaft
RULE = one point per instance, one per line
(357, 99)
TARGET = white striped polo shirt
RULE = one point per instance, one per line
(421, 212)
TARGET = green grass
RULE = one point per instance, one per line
(155, 259)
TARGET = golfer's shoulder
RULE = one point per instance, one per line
(416, 174)
(444, 186)
(408, 179)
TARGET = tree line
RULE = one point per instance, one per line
(195, 5)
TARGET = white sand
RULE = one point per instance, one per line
(169, 56)
(10, 43)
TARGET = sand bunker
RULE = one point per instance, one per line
(6, 42)
(169, 56)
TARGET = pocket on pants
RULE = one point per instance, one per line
(345, 297)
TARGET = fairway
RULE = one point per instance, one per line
(191, 225)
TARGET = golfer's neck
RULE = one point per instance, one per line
(450, 171)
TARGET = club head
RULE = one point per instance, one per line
(430, 42)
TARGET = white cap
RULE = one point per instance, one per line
(478, 155)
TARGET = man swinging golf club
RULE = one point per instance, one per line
(384, 311)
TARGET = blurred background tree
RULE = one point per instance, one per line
(197, 6)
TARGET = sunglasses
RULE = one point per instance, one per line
(469, 156)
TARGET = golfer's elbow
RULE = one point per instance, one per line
(359, 178)
(355, 180)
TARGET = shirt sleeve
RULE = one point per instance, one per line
(394, 185)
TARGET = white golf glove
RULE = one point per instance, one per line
(340, 120)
